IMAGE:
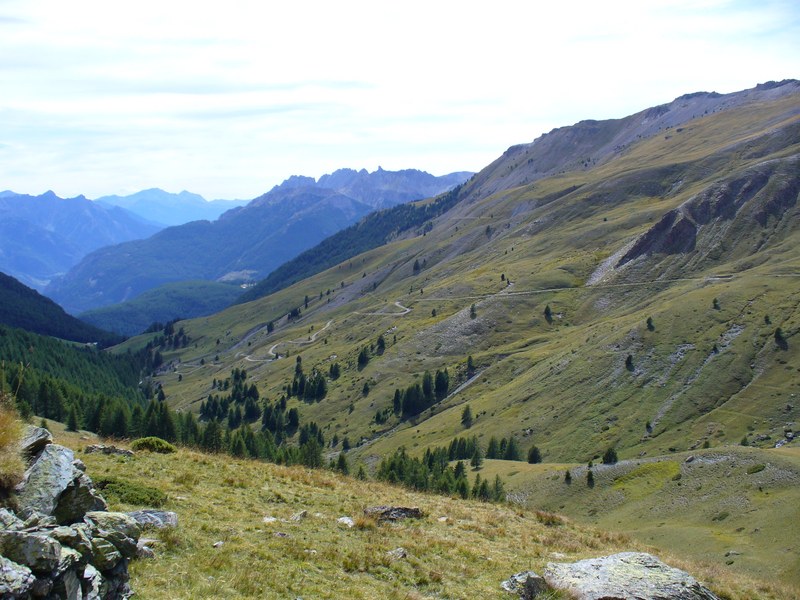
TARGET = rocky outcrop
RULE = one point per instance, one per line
(624, 576)
(62, 542)
(392, 513)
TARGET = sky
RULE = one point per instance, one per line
(227, 99)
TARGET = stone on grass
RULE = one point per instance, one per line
(346, 521)
(527, 585)
(299, 516)
(392, 513)
(623, 576)
(102, 449)
(156, 519)
(397, 553)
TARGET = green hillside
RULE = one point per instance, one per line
(185, 299)
(641, 296)
(25, 308)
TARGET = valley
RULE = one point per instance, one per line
(621, 295)
(646, 301)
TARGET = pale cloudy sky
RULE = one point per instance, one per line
(227, 99)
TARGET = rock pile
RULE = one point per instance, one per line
(60, 541)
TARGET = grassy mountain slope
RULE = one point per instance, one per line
(24, 308)
(460, 549)
(185, 299)
(694, 228)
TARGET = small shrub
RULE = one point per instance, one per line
(128, 492)
(721, 516)
(153, 444)
(549, 519)
(756, 469)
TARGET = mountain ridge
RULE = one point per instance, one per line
(244, 244)
(45, 235)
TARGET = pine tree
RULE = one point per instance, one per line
(567, 477)
(72, 419)
(534, 455)
(466, 417)
(610, 456)
(477, 460)
(341, 464)
(512, 449)
(590, 478)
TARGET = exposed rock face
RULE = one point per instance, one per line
(625, 576)
(46, 479)
(62, 543)
(34, 440)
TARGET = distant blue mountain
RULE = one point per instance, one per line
(42, 237)
(245, 243)
(171, 209)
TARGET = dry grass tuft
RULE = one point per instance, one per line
(11, 464)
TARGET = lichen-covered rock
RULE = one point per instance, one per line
(9, 521)
(77, 499)
(46, 479)
(34, 440)
(68, 559)
(105, 554)
(77, 537)
(91, 583)
(392, 513)
(118, 528)
(157, 519)
(624, 576)
(38, 552)
(527, 585)
(68, 586)
(108, 450)
(16, 580)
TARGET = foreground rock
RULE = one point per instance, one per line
(624, 576)
(62, 542)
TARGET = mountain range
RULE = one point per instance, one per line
(168, 209)
(44, 236)
(244, 244)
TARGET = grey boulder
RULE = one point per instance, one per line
(625, 576)
(16, 580)
(157, 519)
(34, 440)
(46, 480)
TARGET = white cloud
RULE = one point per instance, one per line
(101, 97)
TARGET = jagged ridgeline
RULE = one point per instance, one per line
(372, 231)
